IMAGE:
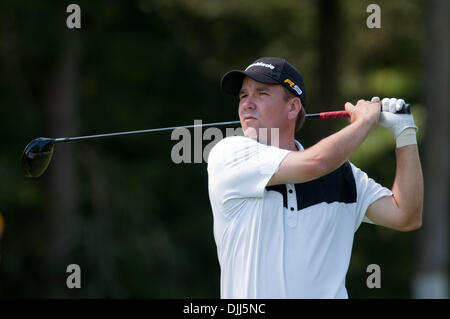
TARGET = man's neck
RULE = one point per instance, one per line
(289, 145)
(284, 140)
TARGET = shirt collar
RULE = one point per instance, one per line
(299, 146)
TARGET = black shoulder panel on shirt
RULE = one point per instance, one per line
(280, 189)
(338, 186)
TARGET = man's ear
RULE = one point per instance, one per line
(294, 108)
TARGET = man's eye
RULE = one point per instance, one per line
(263, 93)
(243, 96)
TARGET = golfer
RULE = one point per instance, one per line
(285, 216)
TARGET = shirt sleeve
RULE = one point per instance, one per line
(241, 167)
(368, 192)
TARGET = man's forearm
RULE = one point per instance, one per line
(337, 148)
(331, 152)
(408, 183)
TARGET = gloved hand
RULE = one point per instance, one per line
(401, 125)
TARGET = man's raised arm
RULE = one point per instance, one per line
(331, 152)
(403, 210)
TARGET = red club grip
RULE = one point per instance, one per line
(333, 115)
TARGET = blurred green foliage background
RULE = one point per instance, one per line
(139, 225)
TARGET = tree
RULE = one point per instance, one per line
(328, 48)
(431, 279)
(62, 120)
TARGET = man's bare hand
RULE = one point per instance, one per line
(366, 111)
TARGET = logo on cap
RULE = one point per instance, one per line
(294, 86)
(266, 65)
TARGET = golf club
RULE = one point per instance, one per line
(38, 153)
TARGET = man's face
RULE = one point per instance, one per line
(262, 105)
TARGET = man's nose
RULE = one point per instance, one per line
(248, 103)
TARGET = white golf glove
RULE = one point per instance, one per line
(401, 125)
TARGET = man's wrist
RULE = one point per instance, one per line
(406, 137)
(365, 123)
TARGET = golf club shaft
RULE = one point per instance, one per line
(323, 115)
(69, 139)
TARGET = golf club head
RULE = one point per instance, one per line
(36, 156)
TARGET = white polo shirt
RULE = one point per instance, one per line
(283, 241)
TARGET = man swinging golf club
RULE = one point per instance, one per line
(285, 216)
